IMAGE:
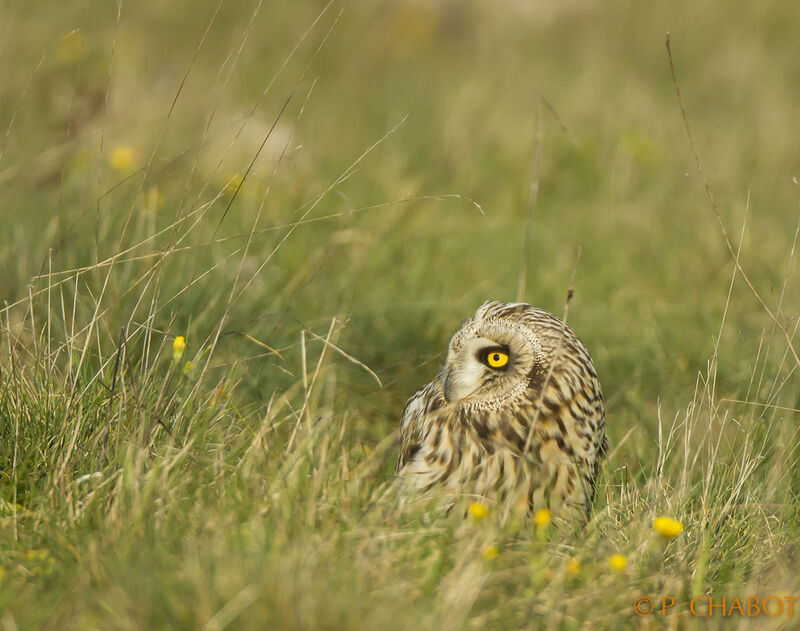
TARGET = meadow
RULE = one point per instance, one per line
(237, 236)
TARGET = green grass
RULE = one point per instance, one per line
(389, 200)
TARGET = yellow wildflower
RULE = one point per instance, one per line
(667, 527)
(188, 367)
(123, 159)
(177, 347)
(233, 183)
(69, 49)
(618, 562)
(490, 553)
(478, 511)
(152, 199)
(543, 518)
(573, 567)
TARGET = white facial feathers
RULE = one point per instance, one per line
(468, 379)
(464, 372)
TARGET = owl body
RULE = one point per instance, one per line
(515, 415)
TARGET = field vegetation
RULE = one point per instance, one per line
(238, 235)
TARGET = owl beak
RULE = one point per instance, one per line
(461, 378)
(449, 386)
(454, 388)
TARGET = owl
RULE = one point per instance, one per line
(515, 415)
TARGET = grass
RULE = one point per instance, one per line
(315, 196)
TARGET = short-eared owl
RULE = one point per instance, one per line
(515, 413)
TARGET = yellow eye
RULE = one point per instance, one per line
(497, 359)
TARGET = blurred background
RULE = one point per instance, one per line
(163, 153)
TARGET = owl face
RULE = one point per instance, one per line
(489, 361)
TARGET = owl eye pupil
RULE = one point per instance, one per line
(495, 359)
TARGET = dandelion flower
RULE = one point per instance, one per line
(543, 518)
(177, 347)
(667, 527)
(152, 199)
(490, 553)
(618, 562)
(478, 511)
(123, 159)
(233, 183)
(69, 50)
(573, 567)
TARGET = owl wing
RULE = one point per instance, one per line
(417, 408)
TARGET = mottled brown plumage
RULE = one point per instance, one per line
(516, 412)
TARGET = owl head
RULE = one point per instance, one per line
(492, 358)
